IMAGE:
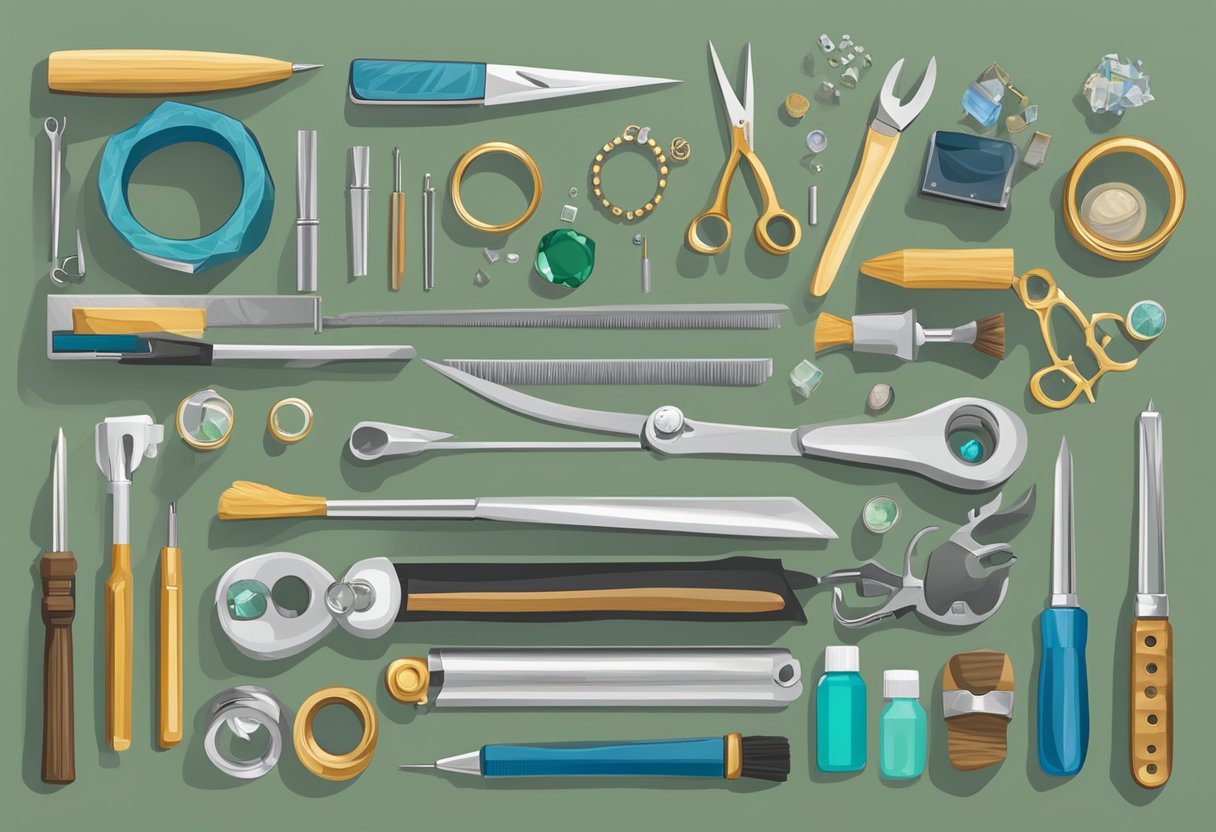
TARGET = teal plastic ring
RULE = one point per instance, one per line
(173, 123)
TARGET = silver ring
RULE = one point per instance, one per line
(243, 708)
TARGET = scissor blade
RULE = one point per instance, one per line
(736, 112)
(579, 417)
(896, 115)
(749, 100)
(1063, 555)
(507, 84)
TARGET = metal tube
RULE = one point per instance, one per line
(306, 211)
(360, 195)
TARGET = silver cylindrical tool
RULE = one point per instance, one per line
(306, 211)
(360, 197)
(495, 677)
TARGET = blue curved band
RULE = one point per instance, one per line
(172, 123)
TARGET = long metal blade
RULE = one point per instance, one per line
(1063, 538)
(642, 316)
(735, 110)
(630, 424)
(507, 84)
(310, 355)
(1151, 598)
(59, 497)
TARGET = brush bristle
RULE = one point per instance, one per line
(766, 758)
(990, 335)
(251, 500)
(832, 331)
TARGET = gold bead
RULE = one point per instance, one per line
(617, 140)
(658, 198)
(663, 170)
(616, 212)
(607, 204)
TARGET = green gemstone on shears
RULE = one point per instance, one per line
(248, 599)
(1146, 320)
(565, 257)
(971, 451)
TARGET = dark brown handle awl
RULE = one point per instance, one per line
(58, 570)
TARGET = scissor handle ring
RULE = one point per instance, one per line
(1068, 370)
(693, 238)
(765, 240)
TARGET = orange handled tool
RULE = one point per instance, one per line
(161, 71)
(171, 637)
(58, 571)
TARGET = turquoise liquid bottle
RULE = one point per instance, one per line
(840, 711)
(902, 730)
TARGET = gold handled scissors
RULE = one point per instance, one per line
(740, 117)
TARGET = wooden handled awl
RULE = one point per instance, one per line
(161, 71)
(1151, 700)
(170, 686)
(57, 569)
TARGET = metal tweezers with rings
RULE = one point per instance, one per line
(476, 153)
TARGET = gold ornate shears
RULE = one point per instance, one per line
(740, 117)
(1039, 293)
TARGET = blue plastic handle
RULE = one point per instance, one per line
(1063, 705)
(70, 342)
(704, 757)
(417, 82)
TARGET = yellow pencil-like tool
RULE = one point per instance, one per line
(161, 71)
(171, 637)
(396, 223)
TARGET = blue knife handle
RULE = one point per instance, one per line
(1063, 705)
(416, 82)
(704, 757)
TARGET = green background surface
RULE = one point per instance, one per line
(1048, 47)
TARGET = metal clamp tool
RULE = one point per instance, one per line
(70, 269)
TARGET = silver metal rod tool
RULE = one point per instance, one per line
(360, 206)
(307, 223)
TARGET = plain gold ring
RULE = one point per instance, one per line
(476, 153)
(276, 429)
(1125, 252)
(324, 763)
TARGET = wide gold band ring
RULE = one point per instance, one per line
(325, 763)
(1125, 252)
(483, 150)
(275, 426)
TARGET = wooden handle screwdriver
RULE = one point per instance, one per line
(396, 224)
(161, 71)
(58, 571)
(171, 637)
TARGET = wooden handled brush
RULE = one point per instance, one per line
(900, 335)
(252, 501)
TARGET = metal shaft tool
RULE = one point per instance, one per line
(1151, 733)
(396, 227)
(161, 71)
(742, 516)
(1063, 701)
(171, 637)
(57, 568)
(122, 443)
(428, 234)
(360, 207)
(307, 223)
(71, 269)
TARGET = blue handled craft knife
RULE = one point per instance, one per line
(407, 82)
(1063, 701)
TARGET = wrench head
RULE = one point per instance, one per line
(896, 115)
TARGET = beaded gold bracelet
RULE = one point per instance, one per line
(638, 137)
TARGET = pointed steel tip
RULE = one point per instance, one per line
(1064, 446)
(415, 766)
(305, 67)
(1150, 407)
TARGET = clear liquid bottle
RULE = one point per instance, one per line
(902, 730)
(840, 711)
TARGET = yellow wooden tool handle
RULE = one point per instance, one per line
(187, 321)
(875, 157)
(944, 268)
(251, 501)
(396, 226)
(118, 648)
(1151, 733)
(158, 71)
(170, 647)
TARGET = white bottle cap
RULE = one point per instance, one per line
(900, 684)
(842, 658)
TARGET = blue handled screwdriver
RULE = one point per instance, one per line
(730, 757)
(1063, 706)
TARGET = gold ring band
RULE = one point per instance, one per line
(325, 763)
(276, 429)
(476, 153)
(201, 399)
(1125, 252)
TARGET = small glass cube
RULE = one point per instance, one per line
(805, 378)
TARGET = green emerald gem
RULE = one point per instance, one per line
(247, 600)
(1146, 319)
(565, 257)
(880, 514)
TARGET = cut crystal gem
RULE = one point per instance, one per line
(805, 377)
(247, 599)
(1146, 320)
(880, 514)
(565, 257)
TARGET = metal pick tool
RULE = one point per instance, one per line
(72, 268)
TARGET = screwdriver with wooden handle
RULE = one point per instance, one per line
(171, 637)
(1151, 700)
(58, 571)
(161, 71)
(396, 225)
